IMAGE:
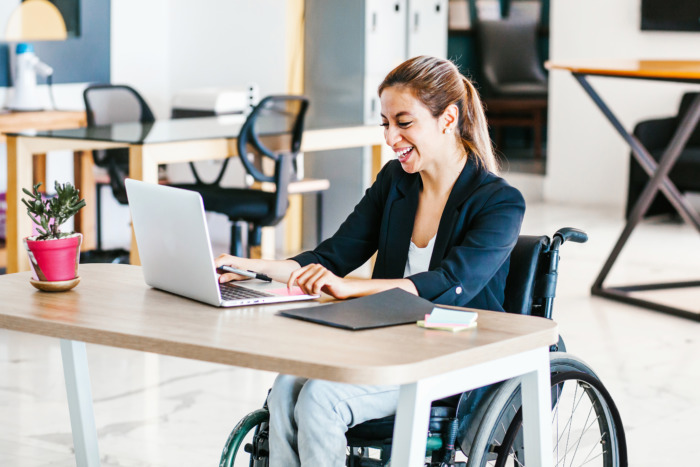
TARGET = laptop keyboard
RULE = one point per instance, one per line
(231, 291)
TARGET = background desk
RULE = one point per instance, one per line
(686, 71)
(162, 142)
(44, 120)
(113, 306)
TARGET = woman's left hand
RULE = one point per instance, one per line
(314, 279)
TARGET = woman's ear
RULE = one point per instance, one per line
(449, 119)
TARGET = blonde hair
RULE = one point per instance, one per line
(437, 83)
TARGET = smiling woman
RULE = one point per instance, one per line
(442, 224)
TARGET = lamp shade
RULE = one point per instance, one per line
(35, 20)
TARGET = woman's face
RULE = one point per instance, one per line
(411, 130)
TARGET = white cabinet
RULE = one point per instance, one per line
(427, 28)
(385, 48)
(349, 47)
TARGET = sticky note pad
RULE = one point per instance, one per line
(446, 327)
(452, 317)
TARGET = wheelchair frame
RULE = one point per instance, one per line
(493, 435)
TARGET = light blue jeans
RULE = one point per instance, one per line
(309, 418)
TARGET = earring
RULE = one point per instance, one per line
(447, 131)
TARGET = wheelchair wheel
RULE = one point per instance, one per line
(491, 431)
(587, 429)
(257, 449)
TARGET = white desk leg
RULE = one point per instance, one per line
(411, 427)
(82, 418)
(537, 413)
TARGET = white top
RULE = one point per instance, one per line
(418, 258)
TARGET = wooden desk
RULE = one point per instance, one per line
(687, 71)
(149, 145)
(45, 120)
(113, 306)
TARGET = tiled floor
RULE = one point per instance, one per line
(164, 411)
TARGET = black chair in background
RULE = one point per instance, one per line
(515, 84)
(282, 119)
(510, 63)
(655, 135)
(106, 104)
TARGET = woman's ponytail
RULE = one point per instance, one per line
(474, 130)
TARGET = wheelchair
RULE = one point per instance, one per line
(484, 426)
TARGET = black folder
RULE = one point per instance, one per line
(388, 308)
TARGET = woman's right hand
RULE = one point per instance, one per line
(279, 270)
(234, 262)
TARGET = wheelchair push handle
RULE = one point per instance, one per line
(571, 234)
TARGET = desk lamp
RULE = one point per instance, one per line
(32, 20)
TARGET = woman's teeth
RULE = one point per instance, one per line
(403, 152)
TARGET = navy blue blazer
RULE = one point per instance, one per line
(478, 229)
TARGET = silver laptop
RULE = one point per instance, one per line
(176, 256)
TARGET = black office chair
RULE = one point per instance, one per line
(515, 84)
(486, 424)
(655, 135)
(509, 59)
(281, 118)
(107, 104)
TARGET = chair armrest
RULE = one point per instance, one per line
(307, 185)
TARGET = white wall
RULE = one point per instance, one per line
(164, 46)
(587, 159)
(140, 50)
(228, 43)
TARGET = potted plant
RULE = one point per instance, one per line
(54, 255)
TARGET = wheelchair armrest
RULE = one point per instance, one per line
(571, 234)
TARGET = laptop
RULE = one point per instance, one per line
(176, 255)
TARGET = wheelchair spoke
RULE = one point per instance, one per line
(555, 409)
(585, 430)
(559, 389)
(594, 458)
(568, 422)
(574, 404)
(594, 445)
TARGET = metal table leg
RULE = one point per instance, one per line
(82, 418)
(659, 182)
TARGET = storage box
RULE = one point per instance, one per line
(215, 101)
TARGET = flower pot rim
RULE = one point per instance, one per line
(34, 238)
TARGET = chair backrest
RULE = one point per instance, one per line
(281, 118)
(529, 267)
(113, 103)
(686, 101)
(509, 58)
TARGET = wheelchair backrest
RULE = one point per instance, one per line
(528, 265)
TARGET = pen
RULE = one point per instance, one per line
(251, 274)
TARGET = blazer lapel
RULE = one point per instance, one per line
(401, 216)
(468, 181)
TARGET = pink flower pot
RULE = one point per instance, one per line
(54, 260)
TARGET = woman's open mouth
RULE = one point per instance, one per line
(403, 153)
